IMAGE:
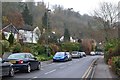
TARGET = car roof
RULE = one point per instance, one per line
(60, 52)
(21, 53)
(74, 51)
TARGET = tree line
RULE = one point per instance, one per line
(60, 20)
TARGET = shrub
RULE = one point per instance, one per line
(106, 57)
(5, 46)
(29, 47)
(116, 64)
(70, 46)
(44, 57)
(17, 48)
(54, 48)
(112, 48)
(38, 49)
(26, 49)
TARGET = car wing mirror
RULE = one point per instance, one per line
(3, 61)
(35, 58)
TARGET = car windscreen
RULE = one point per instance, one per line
(59, 54)
(17, 56)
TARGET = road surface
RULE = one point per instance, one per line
(70, 69)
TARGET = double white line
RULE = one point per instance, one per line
(88, 71)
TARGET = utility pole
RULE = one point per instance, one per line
(47, 43)
(119, 19)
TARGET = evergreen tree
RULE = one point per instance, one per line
(66, 35)
(11, 39)
(3, 36)
(28, 18)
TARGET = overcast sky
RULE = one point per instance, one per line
(83, 6)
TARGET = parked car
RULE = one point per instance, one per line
(96, 53)
(92, 53)
(99, 53)
(24, 62)
(84, 54)
(6, 68)
(69, 56)
(60, 56)
(75, 54)
(102, 53)
(81, 54)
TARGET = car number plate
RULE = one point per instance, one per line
(12, 61)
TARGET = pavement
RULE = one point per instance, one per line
(102, 70)
(46, 62)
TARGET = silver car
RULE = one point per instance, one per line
(92, 53)
(83, 53)
(75, 54)
(69, 56)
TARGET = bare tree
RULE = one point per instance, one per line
(107, 15)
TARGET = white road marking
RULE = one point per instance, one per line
(35, 77)
(62, 67)
(50, 71)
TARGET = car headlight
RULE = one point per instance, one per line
(53, 57)
(62, 57)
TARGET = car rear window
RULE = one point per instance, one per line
(74, 52)
(17, 56)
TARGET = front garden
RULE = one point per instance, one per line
(40, 50)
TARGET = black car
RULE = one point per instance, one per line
(6, 68)
(24, 62)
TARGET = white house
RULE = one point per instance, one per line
(27, 33)
(71, 39)
(30, 35)
(7, 30)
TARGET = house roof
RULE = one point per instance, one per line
(26, 27)
(14, 29)
(10, 28)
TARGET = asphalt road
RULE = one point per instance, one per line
(70, 69)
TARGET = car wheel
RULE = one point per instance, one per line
(28, 69)
(11, 72)
(39, 66)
